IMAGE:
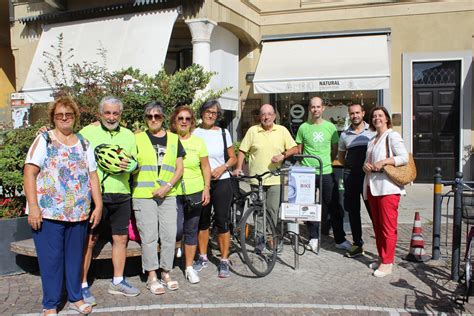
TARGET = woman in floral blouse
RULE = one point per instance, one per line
(60, 178)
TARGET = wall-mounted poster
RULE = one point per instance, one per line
(21, 117)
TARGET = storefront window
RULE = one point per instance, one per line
(292, 108)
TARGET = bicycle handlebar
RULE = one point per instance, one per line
(275, 172)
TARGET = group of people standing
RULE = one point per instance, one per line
(176, 178)
(363, 149)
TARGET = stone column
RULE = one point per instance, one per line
(201, 30)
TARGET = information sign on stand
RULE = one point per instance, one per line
(301, 196)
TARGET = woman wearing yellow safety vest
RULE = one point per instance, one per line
(193, 193)
(160, 167)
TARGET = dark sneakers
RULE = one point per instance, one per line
(355, 251)
(224, 269)
(200, 264)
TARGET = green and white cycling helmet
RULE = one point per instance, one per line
(109, 156)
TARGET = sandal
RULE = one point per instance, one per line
(170, 284)
(155, 287)
(81, 308)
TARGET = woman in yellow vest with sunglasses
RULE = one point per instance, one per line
(160, 167)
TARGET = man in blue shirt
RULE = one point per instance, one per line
(351, 153)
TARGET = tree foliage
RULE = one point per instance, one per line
(89, 82)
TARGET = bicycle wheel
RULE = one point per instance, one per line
(468, 268)
(259, 248)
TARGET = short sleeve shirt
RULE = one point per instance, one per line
(192, 177)
(98, 135)
(159, 144)
(215, 146)
(262, 145)
(355, 146)
(63, 183)
(317, 140)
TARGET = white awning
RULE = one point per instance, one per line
(138, 40)
(323, 64)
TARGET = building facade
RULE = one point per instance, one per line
(413, 57)
(7, 72)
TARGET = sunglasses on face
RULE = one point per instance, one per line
(61, 116)
(184, 118)
(156, 117)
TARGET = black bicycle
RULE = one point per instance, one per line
(251, 227)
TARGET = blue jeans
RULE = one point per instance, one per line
(330, 206)
(353, 185)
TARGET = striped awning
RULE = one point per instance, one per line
(69, 15)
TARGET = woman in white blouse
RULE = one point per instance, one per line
(386, 148)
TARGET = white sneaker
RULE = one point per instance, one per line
(192, 275)
(313, 244)
(344, 245)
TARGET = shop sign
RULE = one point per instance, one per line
(319, 85)
(297, 114)
(18, 99)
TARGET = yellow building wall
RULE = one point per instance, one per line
(6, 88)
(7, 67)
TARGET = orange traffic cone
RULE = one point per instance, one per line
(417, 245)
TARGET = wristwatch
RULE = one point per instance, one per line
(169, 184)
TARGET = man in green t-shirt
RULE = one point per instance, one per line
(319, 137)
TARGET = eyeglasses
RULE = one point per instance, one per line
(156, 117)
(61, 116)
(184, 118)
(212, 113)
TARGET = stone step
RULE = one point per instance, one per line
(102, 250)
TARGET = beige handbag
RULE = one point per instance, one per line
(400, 175)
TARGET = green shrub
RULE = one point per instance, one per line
(12, 159)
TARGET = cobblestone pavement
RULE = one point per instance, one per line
(325, 284)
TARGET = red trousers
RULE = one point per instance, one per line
(384, 210)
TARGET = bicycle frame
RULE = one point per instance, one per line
(260, 193)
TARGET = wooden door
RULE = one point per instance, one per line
(436, 128)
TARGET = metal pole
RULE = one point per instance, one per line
(294, 227)
(455, 257)
(435, 251)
